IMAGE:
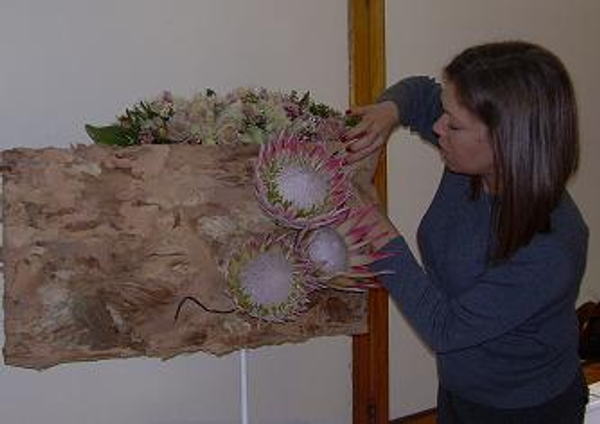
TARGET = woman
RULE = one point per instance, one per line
(503, 245)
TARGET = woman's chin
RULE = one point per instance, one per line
(446, 160)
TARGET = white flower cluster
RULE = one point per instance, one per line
(244, 115)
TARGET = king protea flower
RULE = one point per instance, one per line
(340, 254)
(267, 279)
(299, 184)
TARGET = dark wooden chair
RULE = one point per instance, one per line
(588, 315)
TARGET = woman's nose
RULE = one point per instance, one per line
(439, 126)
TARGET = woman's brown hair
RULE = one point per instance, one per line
(524, 95)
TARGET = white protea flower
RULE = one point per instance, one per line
(340, 254)
(299, 184)
(267, 279)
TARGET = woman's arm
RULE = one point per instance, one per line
(418, 101)
(539, 277)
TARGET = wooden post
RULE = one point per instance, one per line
(367, 80)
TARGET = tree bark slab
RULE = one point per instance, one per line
(101, 244)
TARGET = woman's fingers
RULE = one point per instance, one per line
(362, 148)
(371, 133)
(359, 110)
(361, 129)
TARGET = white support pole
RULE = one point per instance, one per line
(244, 385)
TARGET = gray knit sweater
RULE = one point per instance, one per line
(505, 335)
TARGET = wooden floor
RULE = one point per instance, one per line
(590, 369)
(426, 417)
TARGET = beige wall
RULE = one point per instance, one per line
(422, 35)
(68, 62)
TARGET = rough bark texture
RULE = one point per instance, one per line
(101, 244)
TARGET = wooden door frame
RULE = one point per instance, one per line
(370, 369)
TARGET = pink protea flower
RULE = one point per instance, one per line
(266, 279)
(299, 184)
(340, 254)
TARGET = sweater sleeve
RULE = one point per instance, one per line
(538, 278)
(419, 104)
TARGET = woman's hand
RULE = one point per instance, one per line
(366, 140)
(377, 121)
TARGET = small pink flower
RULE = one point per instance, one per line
(146, 137)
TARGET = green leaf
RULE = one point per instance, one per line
(351, 121)
(305, 100)
(113, 135)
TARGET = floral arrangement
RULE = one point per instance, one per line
(305, 189)
(244, 115)
(300, 182)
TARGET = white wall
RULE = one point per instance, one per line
(422, 35)
(69, 62)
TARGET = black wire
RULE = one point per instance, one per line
(197, 302)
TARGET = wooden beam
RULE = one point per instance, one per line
(367, 80)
